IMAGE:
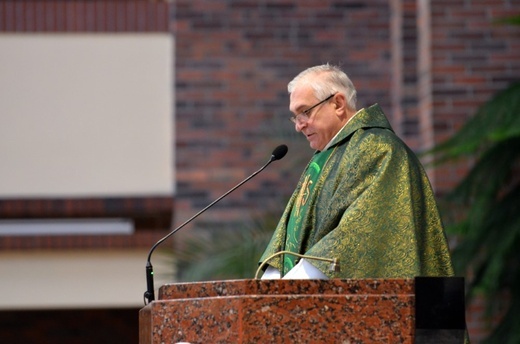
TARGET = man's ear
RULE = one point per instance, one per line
(343, 112)
(340, 103)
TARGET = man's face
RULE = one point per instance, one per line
(322, 123)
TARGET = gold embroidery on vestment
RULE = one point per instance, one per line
(303, 196)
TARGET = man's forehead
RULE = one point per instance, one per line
(301, 96)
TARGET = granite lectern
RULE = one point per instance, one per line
(303, 311)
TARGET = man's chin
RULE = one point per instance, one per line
(315, 146)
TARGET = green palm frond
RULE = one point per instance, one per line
(492, 170)
(496, 121)
(489, 196)
(515, 20)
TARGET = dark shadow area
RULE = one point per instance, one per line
(70, 326)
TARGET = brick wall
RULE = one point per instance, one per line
(233, 62)
(471, 58)
(235, 57)
(403, 91)
(83, 16)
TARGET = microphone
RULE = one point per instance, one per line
(334, 262)
(149, 295)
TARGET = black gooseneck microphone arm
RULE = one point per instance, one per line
(149, 295)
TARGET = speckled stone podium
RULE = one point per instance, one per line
(281, 311)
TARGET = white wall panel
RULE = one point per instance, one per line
(86, 115)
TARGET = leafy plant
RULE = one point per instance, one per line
(489, 196)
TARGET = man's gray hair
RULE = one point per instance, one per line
(325, 80)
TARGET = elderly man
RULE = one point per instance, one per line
(364, 197)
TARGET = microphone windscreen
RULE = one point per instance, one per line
(279, 152)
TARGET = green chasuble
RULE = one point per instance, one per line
(371, 206)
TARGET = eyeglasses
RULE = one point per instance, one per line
(305, 115)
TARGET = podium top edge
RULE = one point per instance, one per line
(375, 286)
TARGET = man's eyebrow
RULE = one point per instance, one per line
(301, 108)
